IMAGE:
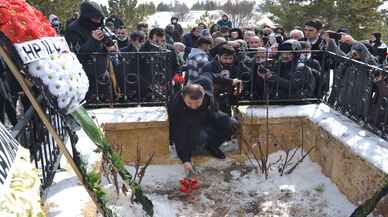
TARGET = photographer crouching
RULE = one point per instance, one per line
(87, 35)
(195, 122)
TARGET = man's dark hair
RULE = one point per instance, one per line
(139, 35)
(377, 35)
(156, 31)
(174, 18)
(226, 49)
(141, 25)
(193, 91)
(204, 40)
(315, 23)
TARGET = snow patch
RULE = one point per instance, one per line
(362, 142)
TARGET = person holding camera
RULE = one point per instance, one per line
(289, 78)
(225, 75)
(86, 35)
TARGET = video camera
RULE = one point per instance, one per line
(109, 37)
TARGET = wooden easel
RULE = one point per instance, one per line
(42, 115)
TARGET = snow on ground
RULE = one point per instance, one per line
(135, 114)
(228, 189)
(362, 142)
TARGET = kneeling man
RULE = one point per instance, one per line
(195, 122)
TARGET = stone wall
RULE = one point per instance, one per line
(355, 177)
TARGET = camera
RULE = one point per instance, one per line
(334, 35)
(109, 37)
(265, 67)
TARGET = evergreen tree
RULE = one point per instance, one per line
(129, 11)
(207, 6)
(361, 17)
(163, 7)
(62, 8)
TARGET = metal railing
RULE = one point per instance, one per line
(128, 79)
(32, 134)
(360, 91)
(355, 89)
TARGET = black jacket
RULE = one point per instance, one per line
(80, 40)
(178, 32)
(186, 124)
(222, 82)
(292, 80)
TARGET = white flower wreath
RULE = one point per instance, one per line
(64, 77)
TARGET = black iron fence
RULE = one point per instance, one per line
(146, 78)
(129, 79)
(360, 91)
(32, 134)
(355, 89)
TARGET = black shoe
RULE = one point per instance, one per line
(216, 152)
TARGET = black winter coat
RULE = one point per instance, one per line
(79, 37)
(292, 81)
(186, 124)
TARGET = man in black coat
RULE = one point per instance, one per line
(129, 66)
(290, 78)
(225, 75)
(85, 37)
(312, 33)
(195, 122)
(156, 57)
(178, 30)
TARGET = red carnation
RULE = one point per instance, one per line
(4, 15)
(179, 79)
(4, 4)
(20, 22)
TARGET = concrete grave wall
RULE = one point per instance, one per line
(355, 159)
(346, 153)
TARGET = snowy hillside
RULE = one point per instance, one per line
(162, 19)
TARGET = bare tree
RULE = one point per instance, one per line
(180, 10)
(239, 11)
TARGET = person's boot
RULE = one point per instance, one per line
(216, 152)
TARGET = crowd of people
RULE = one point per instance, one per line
(209, 66)
(250, 54)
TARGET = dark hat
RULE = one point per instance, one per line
(205, 82)
(226, 49)
(290, 45)
(314, 23)
(343, 30)
(91, 10)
